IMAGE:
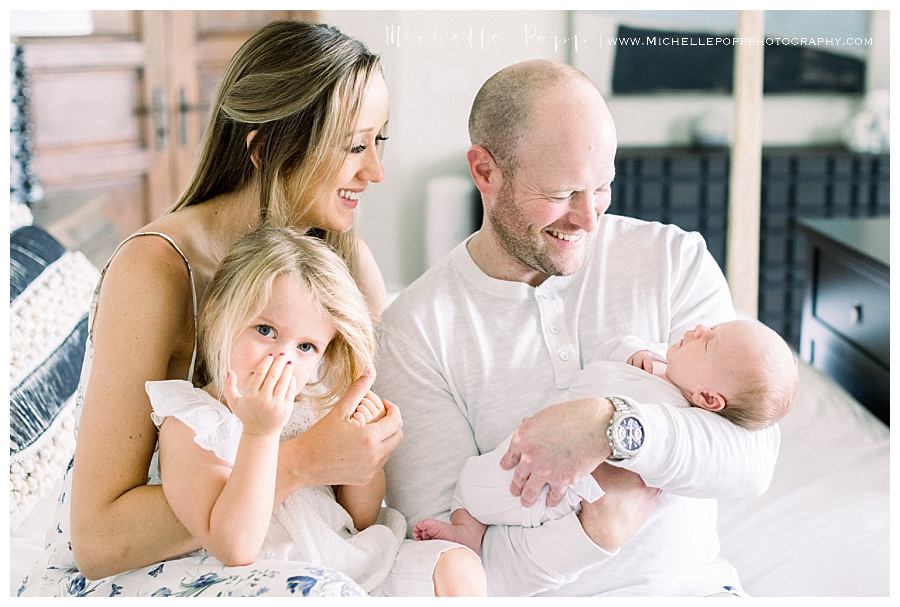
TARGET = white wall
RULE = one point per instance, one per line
(441, 59)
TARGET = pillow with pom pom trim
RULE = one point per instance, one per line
(50, 290)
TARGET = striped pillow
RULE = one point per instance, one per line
(50, 291)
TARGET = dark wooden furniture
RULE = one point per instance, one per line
(689, 187)
(846, 313)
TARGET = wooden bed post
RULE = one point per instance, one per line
(742, 254)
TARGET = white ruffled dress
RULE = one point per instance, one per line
(310, 525)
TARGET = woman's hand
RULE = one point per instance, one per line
(337, 450)
(268, 398)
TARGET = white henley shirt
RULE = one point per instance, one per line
(466, 357)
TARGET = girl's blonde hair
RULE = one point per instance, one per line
(300, 87)
(242, 286)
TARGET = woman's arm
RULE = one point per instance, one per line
(368, 278)
(362, 502)
(337, 450)
(144, 312)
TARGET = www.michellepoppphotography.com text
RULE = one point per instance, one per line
(531, 36)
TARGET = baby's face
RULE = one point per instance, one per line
(715, 359)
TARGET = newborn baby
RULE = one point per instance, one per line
(741, 370)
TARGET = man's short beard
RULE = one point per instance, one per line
(515, 236)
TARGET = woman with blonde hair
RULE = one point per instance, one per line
(294, 138)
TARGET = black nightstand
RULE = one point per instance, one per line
(846, 306)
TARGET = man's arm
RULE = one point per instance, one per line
(690, 451)
(423, 471)
(696, 453)
(687, 451)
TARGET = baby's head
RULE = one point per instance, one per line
(279, 291)
(741, 369)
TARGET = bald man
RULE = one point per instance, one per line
(489, 340)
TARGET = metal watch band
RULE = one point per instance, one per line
(622, 410)
(620, 404)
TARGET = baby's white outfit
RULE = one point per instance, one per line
(483, 486)
(310, 525)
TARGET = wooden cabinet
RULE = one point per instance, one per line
(846, 314)
(689, 187)
(118, 115)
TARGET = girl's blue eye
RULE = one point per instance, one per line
(264, 330)
(358, 149)
(306, 347)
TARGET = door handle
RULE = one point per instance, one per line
(160, 118)
(183, 109)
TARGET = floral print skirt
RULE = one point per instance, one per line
(198, 575)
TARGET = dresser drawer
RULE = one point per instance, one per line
(853, 299)
(867, 381)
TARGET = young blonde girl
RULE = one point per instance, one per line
(284, 332)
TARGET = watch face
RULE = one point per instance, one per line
(630, 433)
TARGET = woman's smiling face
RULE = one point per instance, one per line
(335, 209)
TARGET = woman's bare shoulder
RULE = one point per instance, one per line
(147, 279)
(149, 261)
(368, 277)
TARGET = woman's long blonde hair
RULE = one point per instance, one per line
(243, 284)
(300, 87)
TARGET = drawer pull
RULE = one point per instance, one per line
(856, 314)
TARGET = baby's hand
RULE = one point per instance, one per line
(649, 362)
(643, 359)
(370, 409)
(268, 399)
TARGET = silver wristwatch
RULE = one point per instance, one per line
(625, 431)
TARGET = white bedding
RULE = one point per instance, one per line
(821, 530)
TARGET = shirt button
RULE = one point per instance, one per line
(564, 355)
(554, 329)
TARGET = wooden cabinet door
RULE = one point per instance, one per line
(202, 42)
(118, 115)
(96, 146)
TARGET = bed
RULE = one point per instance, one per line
(822, 529)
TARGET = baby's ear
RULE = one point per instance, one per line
(711, 401)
